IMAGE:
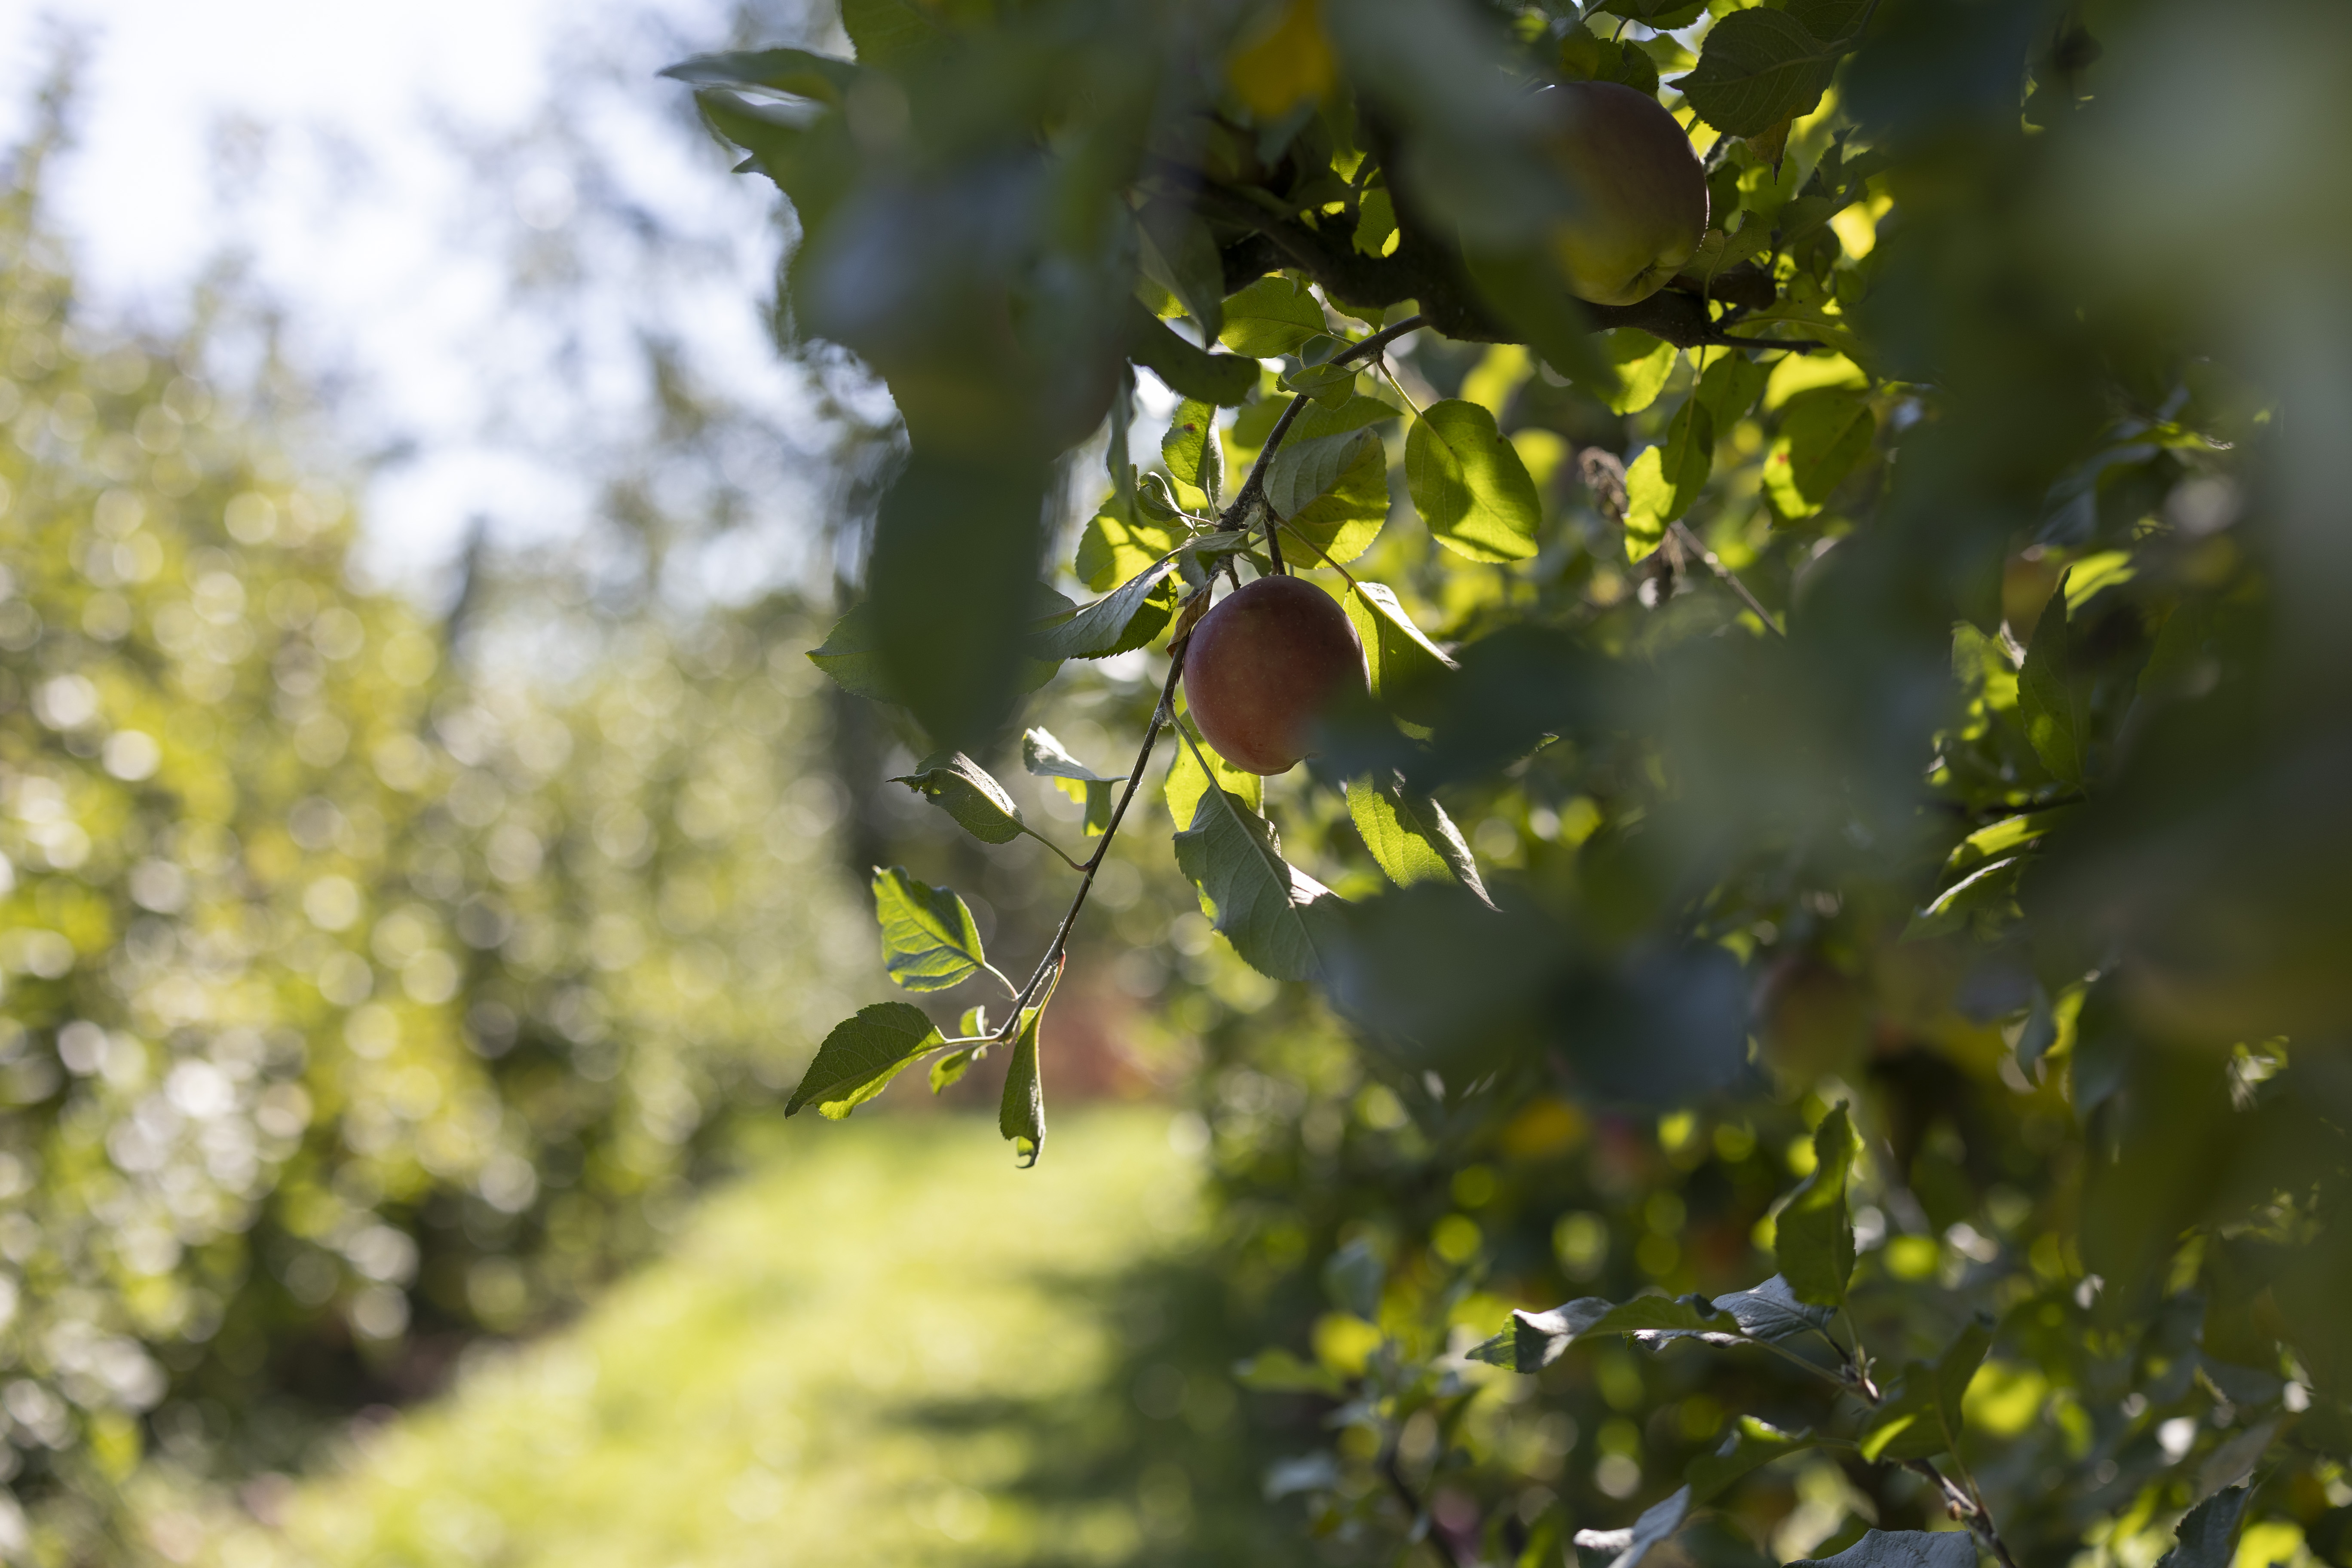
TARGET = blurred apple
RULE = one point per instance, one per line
(1641, 193)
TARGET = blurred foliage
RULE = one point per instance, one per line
(1944, 717)
(359, 996)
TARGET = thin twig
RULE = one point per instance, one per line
(1160, 718)
(1731, 579)
(1253, 491)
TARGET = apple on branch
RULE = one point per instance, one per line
(1641, 191)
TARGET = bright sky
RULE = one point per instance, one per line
(355, 213)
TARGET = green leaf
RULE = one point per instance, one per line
(1757, 69)
(1814, 1236)
(2003, 838)
(1920, 1415)
(1983, 668)
(1832, 21)
(1264, 907)
(1180, 255)
(1126, 619)
(1042, 755)
(1770, 1312)
(2047, 699)
(1276, 1370)
(1748, 1446)
(1270, 317)
(952, 1067)
(929, 939)
(1222, 379)
(1020, 1115)
(1342, 520)
(1408, 672)
(1536, 1340)
(1670, 478)
(884, 31)
(1469, 485)
(1305, 469)
(1353, 1278)
(1326, 383)
(1902, 1549)
(1648, 498)
(1191, 447)
(1186, 783)
(1657, 1522)
(1823, 434)
(2207, 1533)
(966, 792)
(1119, 543)
(1643, 365)
(1991, 890)
(1583, 55)
(848, 655)
(1730, 387)
(1375, 221)
(861, 1056)
(1410, 838)
(1661, 15)
(1358, 413)
(797, 71)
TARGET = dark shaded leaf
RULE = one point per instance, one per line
(1342, 522)
(1128, 618)
(1771, 1312)
(887, 31)
(1220, 379)
(1264, 907)
(796, 71)
(2047, 699)
(1352, 1277)
(1180, 255)
(2207, 1534)
(1628, 1547)
(929, 939)
(860, 1057)
(966, 792)
(1756, 70)
(1186, 783)
(1903, 1549)
(1749, 1446)
(1536, 1340)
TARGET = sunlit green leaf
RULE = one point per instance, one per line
(1814, 1235)
(1270, 317)
(1407, 670)
(1469, 484)
(2049, 701)
(1128, 618)
(929, 939)
(1642, 363)
(860, 1057)
(1186, 783)
(1191, 448)
(1119, 543)
(1410, 836)
(1343, 519)
(1042, 755)
(1020, 1115)
(1824, 434)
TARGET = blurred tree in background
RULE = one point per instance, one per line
(354, 1002)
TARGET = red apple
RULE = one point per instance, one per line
(1263, 665)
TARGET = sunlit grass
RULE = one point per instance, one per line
(887, 1346)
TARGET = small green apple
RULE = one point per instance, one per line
(1641, 193)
